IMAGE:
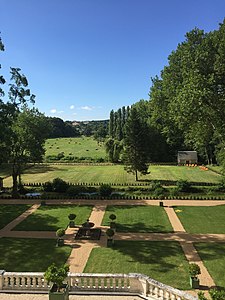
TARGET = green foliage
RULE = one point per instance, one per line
(59, 185)
(158, 189)
(135, 146)
(217, 294)
(72, 217)
(48, 186)
(56, 275)
(60, 232)
(188, 100)
(105, 190)
(112, 217)
(201, 296)
(183, 186)
(194, 270)
(110, 232)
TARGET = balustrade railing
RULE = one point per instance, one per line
(103, 283)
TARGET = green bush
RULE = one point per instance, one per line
(48, 186)
(183, 186)
(105, 190)
(59, 185)
(217, 294)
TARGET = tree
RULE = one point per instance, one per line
(26, 141)
(135, 148)
(188, 101)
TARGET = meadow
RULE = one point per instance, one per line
(79, 147)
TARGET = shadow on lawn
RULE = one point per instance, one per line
(160, 255)
(38, 222)
(41, 169)
(210, 251)
(140, 227)
(31, 255)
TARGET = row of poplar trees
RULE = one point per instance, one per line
(185, 110)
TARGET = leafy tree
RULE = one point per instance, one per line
(135, 147)
(22, 139)
(26, 141)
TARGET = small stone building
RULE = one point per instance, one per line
(187, 157)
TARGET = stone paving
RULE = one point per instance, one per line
(71, 297)
(81, 249)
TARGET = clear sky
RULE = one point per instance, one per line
(83, 58)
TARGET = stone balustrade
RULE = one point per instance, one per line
(131, 283)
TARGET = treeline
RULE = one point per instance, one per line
(138, 116)
(59, 128)
(186, 106)
(188, 99)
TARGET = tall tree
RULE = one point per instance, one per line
(26, 145)
(135, 148)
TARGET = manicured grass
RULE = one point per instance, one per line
(140, 218)
(162, 261)
(213, 257)
(31, 255)
(79, 147)
(10, 212)
(52, 217)
(202, 219)
(112, 174)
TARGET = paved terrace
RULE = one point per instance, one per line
(82, 249)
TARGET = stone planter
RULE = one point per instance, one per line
(63, 294)
(110, 242)
(194, 282)
(72, 224)
(60, 242)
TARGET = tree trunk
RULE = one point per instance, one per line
(15, 182)
(136, 175)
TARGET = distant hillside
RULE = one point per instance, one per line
(60, 128)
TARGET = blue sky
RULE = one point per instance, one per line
(83, 58)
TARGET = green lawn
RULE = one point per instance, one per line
(213, 257)
(202, 219)
(52, 217)
(79, 147)
(162, 261)
(140, 218)
(10, 212)
(31, 255)
(111, 174)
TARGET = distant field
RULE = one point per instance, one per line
(111, 174)
(79, 147)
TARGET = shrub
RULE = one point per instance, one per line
(60, 232)
(183, 186)
(105, 190)
(59, 185)
(72, 217)
(194, 270)
(48, 186)
(56, 275)
(217, 294)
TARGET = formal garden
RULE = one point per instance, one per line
(162, 260)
